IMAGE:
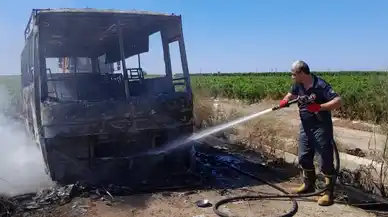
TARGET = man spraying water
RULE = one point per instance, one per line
(316, 99)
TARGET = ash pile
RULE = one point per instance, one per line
(56, 195)
(48, 199)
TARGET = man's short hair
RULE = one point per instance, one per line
(300, 66)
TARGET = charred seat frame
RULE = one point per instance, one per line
(106, 117)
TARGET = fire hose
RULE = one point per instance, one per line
(285, 194)
(294, 208)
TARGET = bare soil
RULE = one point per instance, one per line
(351, 135)
(179, 205)
(182, 204)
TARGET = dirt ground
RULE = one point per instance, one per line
(349, 134)
(179, 205)
(182, 204)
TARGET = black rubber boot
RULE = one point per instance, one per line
(327, 198)
(308, 185)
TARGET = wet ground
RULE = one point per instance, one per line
(218, 180)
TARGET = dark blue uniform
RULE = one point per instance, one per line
(316, 129)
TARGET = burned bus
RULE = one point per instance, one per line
(90, 121)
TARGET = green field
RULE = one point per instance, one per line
(10, 98)
(365, 94)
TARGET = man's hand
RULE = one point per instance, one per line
(283, 103)
(313, 107)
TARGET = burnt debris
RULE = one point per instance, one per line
(210, 169)
(205, 172)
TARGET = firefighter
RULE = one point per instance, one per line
(316, 129)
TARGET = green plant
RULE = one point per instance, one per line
(364, 94)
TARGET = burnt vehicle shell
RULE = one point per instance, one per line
(104, 109)
(90, 125)
(110, 117)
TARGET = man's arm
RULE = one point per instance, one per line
(333, 99)
(292, 94)
(335, 103)
(289, 97)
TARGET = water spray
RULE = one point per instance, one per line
(209, 131)
(221, 127)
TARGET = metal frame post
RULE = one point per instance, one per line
(138, 61)
(43, 73)
(124, 66)
(185, 67)
(95, 64)
(166, 54)
(141, 74)
(37, 80)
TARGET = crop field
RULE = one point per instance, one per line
(10, 94)
(365, 94)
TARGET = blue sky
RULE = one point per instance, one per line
(245, 35)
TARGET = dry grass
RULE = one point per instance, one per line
(380, 184)
(373, 177)
(203, 112)
(263, 136)
(208, 113)
(259, 136)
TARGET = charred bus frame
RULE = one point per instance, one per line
(56, 33)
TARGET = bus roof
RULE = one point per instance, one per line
(93, 32)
